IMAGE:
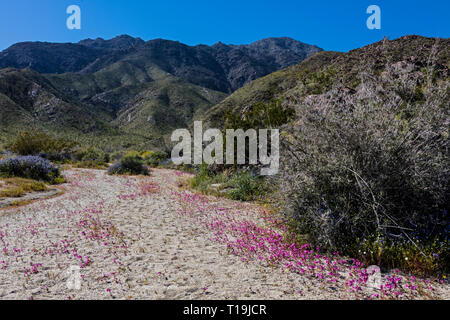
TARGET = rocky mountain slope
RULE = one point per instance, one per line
(219, 67)
(29, 100)
(318, 74)
(126, 87)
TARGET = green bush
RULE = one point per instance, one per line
(246, 187)
(91, 158)
(131, 163)
(204, 178)
(133, 155)
(36, 142)
(241, 185)
(153, 158)
(91, 154)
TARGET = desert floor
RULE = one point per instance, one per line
(127, 237)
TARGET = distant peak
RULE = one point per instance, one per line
(120, 42)
(219, 44)
(277, 38)
(125, 36)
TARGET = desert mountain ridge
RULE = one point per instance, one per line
(128, 91)
(219, 67)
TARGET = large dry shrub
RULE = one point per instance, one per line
(371, 162)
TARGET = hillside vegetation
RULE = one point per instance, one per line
(124, 92)
(365, 160)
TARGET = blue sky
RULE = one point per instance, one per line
(332, 25)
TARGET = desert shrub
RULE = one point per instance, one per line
(91, 158)
(422, 258)
(36, 142)
(369, 164)
(131, 163)
(116, 168)
(59, 180)
(91, 154)
(260, 115)
(133, 155)
(147, 154)
(30, 167)
(153, 158)
(246, 187)
(12, 192)
(106, 157)
(116, 156)
(240, 185)
(204, 178)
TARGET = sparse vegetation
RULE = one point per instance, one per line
(131, 163)
(246, 187)
(153, 158)
(421, 257)
(17, 187)
(239, 185)
(90, 158)
(365, 159)
(260, 115)
(91, 164)
(204, 178)
(39, 143)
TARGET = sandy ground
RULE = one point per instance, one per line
(132, 238)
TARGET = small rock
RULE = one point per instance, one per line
(36, 291)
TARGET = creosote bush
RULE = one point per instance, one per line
(246, 187)
(42, 144)
(374, 163)
(238, 185)
(91, 158)
(204, 178)
(131, 163)
(153, 158)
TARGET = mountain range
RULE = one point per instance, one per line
(308, 81)
(126, 91)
